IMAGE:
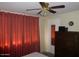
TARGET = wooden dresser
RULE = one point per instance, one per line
(67, 44)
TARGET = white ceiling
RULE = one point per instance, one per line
(22, 6)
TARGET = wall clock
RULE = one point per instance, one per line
(71, 23)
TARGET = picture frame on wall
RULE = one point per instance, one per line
(53, 34)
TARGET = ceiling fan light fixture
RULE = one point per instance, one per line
(43, 13)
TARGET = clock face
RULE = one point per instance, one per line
(71, 23)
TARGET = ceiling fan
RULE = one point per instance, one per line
(45, 8)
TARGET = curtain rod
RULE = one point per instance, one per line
(18, 13)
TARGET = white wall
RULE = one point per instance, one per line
(46, 23)
(71, 16)
(42, 34)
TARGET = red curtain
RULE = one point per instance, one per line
(4, 33)
(19, 34)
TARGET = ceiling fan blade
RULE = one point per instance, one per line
(60, 6)
(39, 12)
(43, 4)
(52, 11)
(33, 9)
